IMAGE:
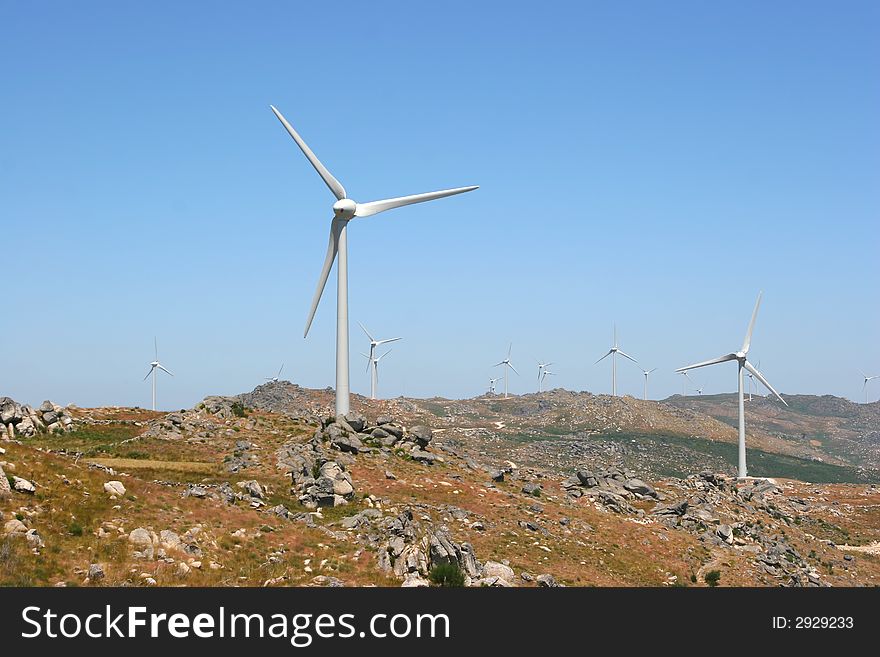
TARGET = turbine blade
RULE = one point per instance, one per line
(761, 378)
(279, 369)
(334, 185)
(148, 374)
(748, 340)
(388, 340)
(385, 354)
(653, 370)
(375, 207)
(720, 359)
(625, 356)
(497, 364)
(369, 361)
(332, 247)
(364, 328)
(610, 351)
(156, 348)
(163, 369)
(510, 365)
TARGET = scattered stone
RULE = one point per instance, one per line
(23, 485)
(547, 581)
(96, 572)
(115, 488)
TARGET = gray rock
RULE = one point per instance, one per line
(494, 569)
(394, 430)
(114, 488)
(532, 489)
(421, 456)
(347, 443)
(14, 526)
(422, 435)
(390, 475)
(497, 475)
(46, 407)
(96, 572)
(356, 421)
(23, 485)
(252, 488)
(142, 541)
(725, 533)
(639, 487)
(5, 488)
(547, 581)
(383, 420)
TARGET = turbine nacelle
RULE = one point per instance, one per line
(740, 355)
(344, 208)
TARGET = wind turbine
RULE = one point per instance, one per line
(646, 373)
(742, 363)
(374, 378)
(492, 383)
(344, 210)
(274, 379)
(373, 368)
(613, 353)
(546, 373)
(684, 379)
(865, 384)
(699, 390)
(155, 365)
(541, 368)
(507, 364)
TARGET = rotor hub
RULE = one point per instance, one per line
(344, 208)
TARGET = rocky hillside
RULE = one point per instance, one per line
(264, 489)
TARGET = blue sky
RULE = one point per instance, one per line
(654, 164)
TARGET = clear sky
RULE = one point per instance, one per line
(650, 163)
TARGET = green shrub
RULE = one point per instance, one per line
(446, 574)
(75, 529)
(712, 577)
(238, 409)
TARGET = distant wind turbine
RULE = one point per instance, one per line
(541, 368)
(699, 390)
(742, 363)
(865, 384)
(492, 383)
(613, 353)
(646, 373)
(507, 364)
(156, 365)
(344, 210)
(684, 379)
(546, 373)
(373, 368)
(274, 379)
(374, 362)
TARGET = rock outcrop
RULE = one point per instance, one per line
(25, 420)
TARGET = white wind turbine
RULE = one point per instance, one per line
(374, 362)
(155, 365)
(274, 379)
(546, 373)
(865, 384)
(492, 383)
(541, 368)
(613, 353)
(344, 210)
(741, 358)
(646, 373)
(373, 368)
(507, 364)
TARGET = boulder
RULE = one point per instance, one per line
(422, 435)
(356, 421)
(494, 569)
(23, 485)
(142, 541)
(497, 475)
(547, 581)
(639, 487)
(5, 488)
(46, 407)
(347, 443)
(383, 420)
(14, 526)
(532, 489)
(170, 540)
(414, 580)
(421, 456)
(252, 488)
(114, 488)
(96, 572)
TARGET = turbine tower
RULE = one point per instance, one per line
(742, 363)
(613, 353)
(507, 364)
(274, 379)
(373, 368)
(374, 362)
(865, 384)
(492, 383)
(155, 365)
(344, 210)
(646, 373)
(541, 368)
